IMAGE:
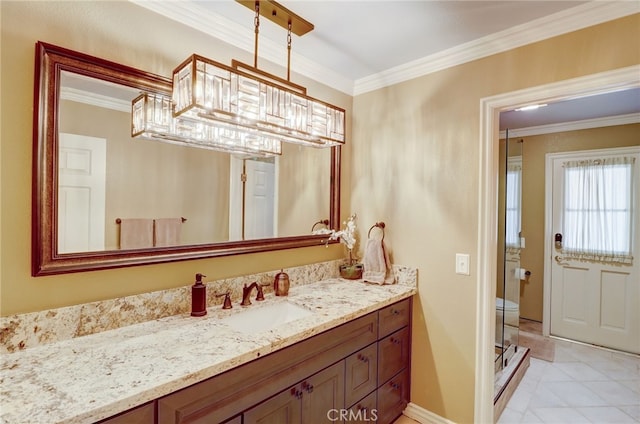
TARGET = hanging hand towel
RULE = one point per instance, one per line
(136, 233)
(167, 231)
(377, 266)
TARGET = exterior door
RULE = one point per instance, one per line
(81, 193)
(595, 279)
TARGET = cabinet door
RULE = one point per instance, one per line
(393, 354)
(361, 374)
(323, 394)
(393, 397)
(283, 408)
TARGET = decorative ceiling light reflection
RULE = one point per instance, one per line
(152, 119)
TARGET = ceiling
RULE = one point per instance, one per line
(357, 46)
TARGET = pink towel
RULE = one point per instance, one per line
(167, 231)
(136, 233)
(377, 266)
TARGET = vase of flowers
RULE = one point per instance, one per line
(351, 269)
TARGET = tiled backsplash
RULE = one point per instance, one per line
(33, 329)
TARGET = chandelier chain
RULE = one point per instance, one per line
(289, 52)
(256, 24)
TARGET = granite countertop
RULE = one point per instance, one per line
(96, 376)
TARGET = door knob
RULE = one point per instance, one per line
(560, 260)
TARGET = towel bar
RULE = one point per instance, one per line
(380, 225)
(324, 222)
(119, 220)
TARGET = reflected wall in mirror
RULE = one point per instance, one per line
(90, 176)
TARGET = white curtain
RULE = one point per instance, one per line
(597, 216)
(513, 205)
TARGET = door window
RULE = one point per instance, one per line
(597, 215)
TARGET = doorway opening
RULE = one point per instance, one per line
(620, 79)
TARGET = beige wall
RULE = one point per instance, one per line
(412, 162)
(533, 197)
(127, 34)
(416, 166)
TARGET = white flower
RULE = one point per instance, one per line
(348, 235)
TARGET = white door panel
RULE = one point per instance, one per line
(591, 301)
(253, 202)
(81, 193)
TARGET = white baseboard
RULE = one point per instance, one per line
(424, 416)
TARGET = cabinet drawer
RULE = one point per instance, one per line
(361, 374)
(393, 354)
(364, 411)
(394, 317)
(393, 397)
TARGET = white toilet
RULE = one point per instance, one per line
(511, 311)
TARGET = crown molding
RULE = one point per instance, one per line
(573, 19)
(576, 18)
(242, 37)
(82, 96)
(608, 121)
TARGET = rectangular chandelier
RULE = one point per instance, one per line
(152, 118)
(208, 91)
(240, 108)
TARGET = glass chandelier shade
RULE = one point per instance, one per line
(206, 91)
(152, 118)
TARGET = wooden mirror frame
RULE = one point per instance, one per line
(50, 61)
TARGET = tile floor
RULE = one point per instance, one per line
(583, 384)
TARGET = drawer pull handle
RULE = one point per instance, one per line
(297, 393)
(395, 341)
(363, 358)
(395, 312)
(308, 387)
(395, 386)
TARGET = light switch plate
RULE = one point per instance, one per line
(462, 263)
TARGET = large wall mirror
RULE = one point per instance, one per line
(91, 179)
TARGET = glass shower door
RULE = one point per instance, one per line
(509, 236)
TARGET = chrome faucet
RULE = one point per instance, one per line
(246, 293)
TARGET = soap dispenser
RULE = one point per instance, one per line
(199, 297)
(281, 284)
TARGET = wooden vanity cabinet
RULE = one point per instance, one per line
(357, 372)
(237, 390)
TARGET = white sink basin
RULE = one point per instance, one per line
(257, 318)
